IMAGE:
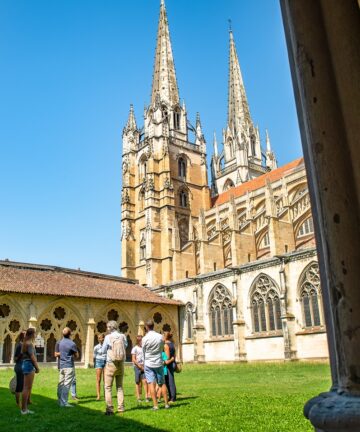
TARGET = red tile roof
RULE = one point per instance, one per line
(58, 281)
(256, 183)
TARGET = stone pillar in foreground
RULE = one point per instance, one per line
(323, 38)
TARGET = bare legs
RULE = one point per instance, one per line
(28, 382)
(146, 389)
(163, 388)
(99, 374)
(138, 389)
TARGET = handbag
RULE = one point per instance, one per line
(12, 384)
(178, 368)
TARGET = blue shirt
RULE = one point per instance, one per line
(67, 348)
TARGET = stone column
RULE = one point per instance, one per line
(199, 328)
(88, 355)
(323, 39)
(287, 319)
(1, 351)
(12, 351)
(45, 350)
(238, 321)
(141, 328)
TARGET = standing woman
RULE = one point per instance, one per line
(169, 349)
(18, 369)
(99, 362)
(29, 368)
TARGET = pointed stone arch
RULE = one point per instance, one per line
(228, 184)
(12, 321)
(309, 294)
(220, 310)
(51, 321)
(264, 303)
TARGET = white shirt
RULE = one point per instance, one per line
(138, 353)
(152, 346)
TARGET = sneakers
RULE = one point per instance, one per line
(121, 410)
(167, 406)
(147, 400)
(139, 401)
(26, 412)
(154, 408)
(109, 413)
(75, 398)
(68, 406)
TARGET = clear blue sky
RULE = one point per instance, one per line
(69, 70)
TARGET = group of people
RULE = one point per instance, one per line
(154, 362)
(153, 357)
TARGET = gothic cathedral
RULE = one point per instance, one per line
(238, 253)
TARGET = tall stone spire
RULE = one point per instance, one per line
(131, 122)
(164, 78)
(238, 107)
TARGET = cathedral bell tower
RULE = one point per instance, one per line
(241, 158)
(164, 177)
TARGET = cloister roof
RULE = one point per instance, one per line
(257, 182)
(58, 281)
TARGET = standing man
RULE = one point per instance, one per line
(114, 346)
(153, 346)
(66, 350)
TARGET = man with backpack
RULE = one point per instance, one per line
(114, 346)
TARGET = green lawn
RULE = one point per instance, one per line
(241, 397)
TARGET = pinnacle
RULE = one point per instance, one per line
(164, 76)
(238, 108)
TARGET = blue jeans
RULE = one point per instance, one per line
(27, 367)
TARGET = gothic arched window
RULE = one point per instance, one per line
(253, 145)
(189, 321)
(306, 228)
(221, 312)
(182, 168)
(310, 296)
(228, 185)
(141, 200)
(142, 168)
(183, 231)
(183, 198)
(265, 241)
(176, 118)
(265, 305)
(230, 148)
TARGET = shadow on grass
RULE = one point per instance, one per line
(49, 416)
(146, 407)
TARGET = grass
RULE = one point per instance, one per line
(241, 397)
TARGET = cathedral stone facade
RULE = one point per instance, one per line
(238, 253)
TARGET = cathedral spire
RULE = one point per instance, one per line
(164, 78)
(131, 122)
(238, 107)
(268, 145)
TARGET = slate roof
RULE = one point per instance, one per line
(58, 281)
(257, 182)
